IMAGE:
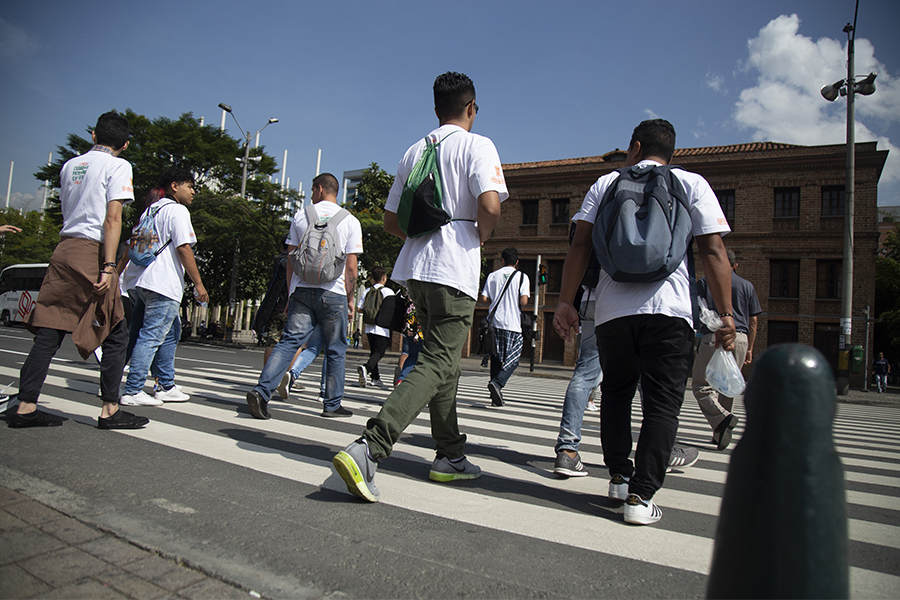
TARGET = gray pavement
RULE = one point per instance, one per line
(45, 553)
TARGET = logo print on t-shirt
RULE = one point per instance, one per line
(79, 172)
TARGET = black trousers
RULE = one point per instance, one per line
(658, 351)
(378, 345)
(47, 342)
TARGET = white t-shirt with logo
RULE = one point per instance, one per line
(508, 314)
(451, 255)
(671, 296)
(87, 184)
(349, 234)
(385, 291)
(165, 275)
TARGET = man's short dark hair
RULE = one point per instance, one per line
(732, 258)
(112, 130)
(510, 256)
(657, 138)
(328, 182)
(452, 93)
(175, 175)
(378, 273)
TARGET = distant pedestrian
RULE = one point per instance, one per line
(356, 338)
(379, 337)
(507, 289)
(882, 368)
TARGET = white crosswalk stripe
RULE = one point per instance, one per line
(866, 437)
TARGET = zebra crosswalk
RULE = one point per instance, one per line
(518, 492)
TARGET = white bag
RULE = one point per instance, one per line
(722, 372)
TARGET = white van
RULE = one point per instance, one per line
(19, 287)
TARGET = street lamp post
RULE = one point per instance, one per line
(232, 289)
(848, 87)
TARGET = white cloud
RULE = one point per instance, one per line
(650, 114)
(785, 104)
(19, 200)
(716, 82)
(16, 42)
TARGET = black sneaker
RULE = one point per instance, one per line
(566, 466)
(496, 394)
(122, 420)
(257, 405)
(339, 412)
(36, 419)
(722, 434)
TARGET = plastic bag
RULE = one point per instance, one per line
(724, 375)
(722, 372)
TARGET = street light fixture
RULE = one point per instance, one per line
(848, 87)
(237, 247)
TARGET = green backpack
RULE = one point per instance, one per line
(371, 305)
(421, 210)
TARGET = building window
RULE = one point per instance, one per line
(833, 200)
(782, 332)
(529, 212)
(784, 279)
(560, 212)
(787, 202)
(828, 279)
(726, 201)
(554, 276)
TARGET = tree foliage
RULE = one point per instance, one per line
(368, 206)
(887, 307)
(221, 218)
(35, 244)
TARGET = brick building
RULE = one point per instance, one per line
(785, 207)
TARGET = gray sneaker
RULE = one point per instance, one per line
(682, 458)
(358, 471)
(618, 487)
(443, 470)
(566, 466)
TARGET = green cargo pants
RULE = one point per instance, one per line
(445, 315)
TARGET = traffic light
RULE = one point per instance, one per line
(542, 275)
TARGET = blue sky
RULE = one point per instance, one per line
(554, 79)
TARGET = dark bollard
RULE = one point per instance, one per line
(783, 525)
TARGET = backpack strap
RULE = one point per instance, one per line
(436, 146)
(153, 216)
(500, 297)
(312, 216)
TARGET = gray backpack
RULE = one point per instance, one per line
(643, 226)
(320, 257)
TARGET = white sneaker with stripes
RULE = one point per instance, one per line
(641, 512)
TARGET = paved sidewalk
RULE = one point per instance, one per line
(46, 554)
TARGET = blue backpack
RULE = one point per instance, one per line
(144, 246)
(643, 226)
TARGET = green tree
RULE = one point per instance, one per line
(35, 244)
(887, 307)
(368, 206)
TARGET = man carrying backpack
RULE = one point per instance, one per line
(322, 274)
(441, 269)
(506, 311)
(379, 337)
(158, 287)
(645, 328)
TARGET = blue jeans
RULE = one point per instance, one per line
(311, 308)
(585, 378)
(881, 382)
(163, 365)
(309, 354)
(159, 313)
(411, 349)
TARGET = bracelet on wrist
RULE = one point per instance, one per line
(109, 264)
(723, 315)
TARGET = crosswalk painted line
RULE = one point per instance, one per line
(526, 426)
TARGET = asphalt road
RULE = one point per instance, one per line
(256, 503)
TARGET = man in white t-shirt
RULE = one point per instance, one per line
(322, 304)
(157, 289)
(81, 282)
(645, 330)
(507, 320)
(379, 337)
(441, 270)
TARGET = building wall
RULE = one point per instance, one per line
(753, 171)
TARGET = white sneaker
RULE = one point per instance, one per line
(142, 398)
(618, 488)
(377, 383)
(363, 375)
(591, 407)
(171, 395)
(641, 512)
